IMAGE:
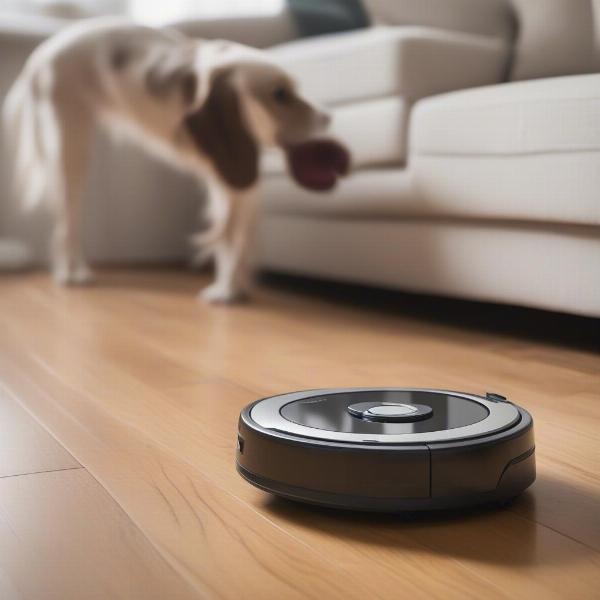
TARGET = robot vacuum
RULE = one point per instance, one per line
(389, 449)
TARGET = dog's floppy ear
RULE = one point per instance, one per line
(219, 130)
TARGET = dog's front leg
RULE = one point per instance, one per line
(233, 250)
(215, 215)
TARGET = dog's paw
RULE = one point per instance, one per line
(220, 294)
(80, 275)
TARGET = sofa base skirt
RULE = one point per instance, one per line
(549, 267)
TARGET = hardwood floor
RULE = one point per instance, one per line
(25, 448)
(142, 385)
(61, 534)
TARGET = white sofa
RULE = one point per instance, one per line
(466, 182)
(490, 193)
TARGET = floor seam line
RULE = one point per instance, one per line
(40, 472)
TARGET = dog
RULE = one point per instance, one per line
(205, 107)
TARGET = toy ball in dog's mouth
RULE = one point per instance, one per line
(317, 164)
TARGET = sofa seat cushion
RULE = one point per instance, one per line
(520, 150)
(559, 114)
(374, 131)
(376, 193)
(382, 61)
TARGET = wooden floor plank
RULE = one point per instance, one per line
(62, 537)
(25, 446)
(7, 589)
(88, 364)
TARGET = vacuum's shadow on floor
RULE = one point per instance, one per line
(473, 534)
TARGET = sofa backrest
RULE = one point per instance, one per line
(556, 37)
(483, 17)
(551, 37)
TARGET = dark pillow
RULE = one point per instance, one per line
(318, 17)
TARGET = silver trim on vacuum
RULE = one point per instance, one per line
(267, 414)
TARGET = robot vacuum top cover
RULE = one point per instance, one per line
(387, 448)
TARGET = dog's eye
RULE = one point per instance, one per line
(281, 95)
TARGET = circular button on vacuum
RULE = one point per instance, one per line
(390, 412)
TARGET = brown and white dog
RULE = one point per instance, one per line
(206, 107)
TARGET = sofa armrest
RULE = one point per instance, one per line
(380, 61)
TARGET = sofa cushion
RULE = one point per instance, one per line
(556, 37)
(560, 114)
(519, 150)
(374, 131)
(553, 188)
(383, 61)
(483, 17)
(376, 193)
